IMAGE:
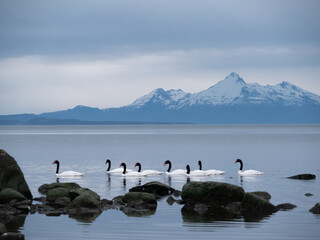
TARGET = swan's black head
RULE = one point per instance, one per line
(138, 165)
(167, 162)
(56, 162)
(239, 161)
(108, 161)
(124, 167)
(200, 164)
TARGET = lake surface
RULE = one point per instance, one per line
(277, 150)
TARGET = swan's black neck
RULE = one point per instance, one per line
(124, 167)
(169, 163)
(139, 166)
(58, 165)
(188, 169)
(109, 165)
(200, 165)
(241, 163)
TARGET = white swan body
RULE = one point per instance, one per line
(195, 173)
(118, 170)
(66, 174)
(247, 172)
(147, 172)
(176, 172)
(69, 174)
(213, 172)
(210, 171)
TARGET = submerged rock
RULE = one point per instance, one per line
(255, 205)
(262, 194)
(286, 206)
(138, 200)
(157, 188)
(11, 175)
(303, 176)
(315, 209)
(308, 194)
(47, 187)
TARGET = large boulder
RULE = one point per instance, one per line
(155, 187)
(56, 193)
(87, 199)
(8, 194)
(11, 175)
(140, 200)
(255, 205)
(211, 193)
(306, 176)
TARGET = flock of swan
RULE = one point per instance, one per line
(182, 172)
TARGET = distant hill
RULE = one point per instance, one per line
(230, 101)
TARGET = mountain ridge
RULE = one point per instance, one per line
(230, 101)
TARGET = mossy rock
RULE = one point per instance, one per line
(255, 205)
(211, 193)
(75, 193)
(155, 187)
(8, 194)
(306, 176)
(86, 200)
(47, 187)
(262, 194)
(56, 193)
(11, 175)
(140, 200)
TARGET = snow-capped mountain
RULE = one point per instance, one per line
(233, 90)
(230, 101)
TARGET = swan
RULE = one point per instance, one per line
(210, 171)
(66, 173)
(247, 172)
(132, 173)
(195, 173)
(175, 172)
(147, 172)
(116, 170)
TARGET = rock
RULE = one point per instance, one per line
(106, 204)
(62, 201)
(140, 200)
(157, 188)
(3, 228)
(87, 199)
(315, 209)
(170, 200)
(40, 199)
(8, 194)
(254, 205)
(176, 193)
(55, 193)
(303, 176)
(286, 206)
(47, 187)
(75, 193)
(234, 208)
(308, 194)
(11, 175)
(12, 236)
(201, 208)
(212, 193)
(264, 195)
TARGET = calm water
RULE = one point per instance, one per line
(278, 151)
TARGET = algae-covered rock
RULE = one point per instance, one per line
(8, 194)
(140, 200)
(86, 200)
(47, 187)
(211, 193)
(55, 193)
(306, 176)
(262, 194)
(11, 175)
(256, 205)
(155, 187)
(315, 209)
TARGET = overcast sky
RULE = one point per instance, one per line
(56, 54)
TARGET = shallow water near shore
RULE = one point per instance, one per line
(277, 150)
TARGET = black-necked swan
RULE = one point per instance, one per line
(66, 173)
(175, 172)
(210, 171)
(195, 173)
(247, 172)
(147, 172)
(132, 173)
(116, 170)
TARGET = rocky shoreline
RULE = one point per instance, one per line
(214, 200)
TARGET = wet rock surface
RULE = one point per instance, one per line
(224, 201)
(306, 176)
(157, 188)
(315, 209)
(286, 206)
(11, 175)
